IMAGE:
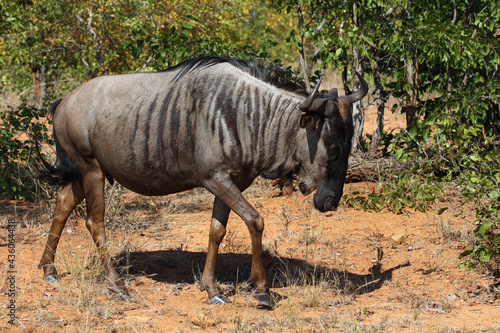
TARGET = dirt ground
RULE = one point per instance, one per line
(345, 271)
(324, 269)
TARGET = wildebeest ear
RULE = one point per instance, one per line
(333, 94)
(308, 120)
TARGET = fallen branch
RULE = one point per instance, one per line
(363, 170)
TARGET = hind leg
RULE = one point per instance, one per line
(93, 185)
(70, 196)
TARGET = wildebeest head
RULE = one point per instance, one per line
(324, 160)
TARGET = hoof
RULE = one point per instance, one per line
(264, 299)
(219, 299)
(123, 295)
(51, 278)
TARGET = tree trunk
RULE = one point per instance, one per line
(347, 90)
(39, 78)
(412, 76)
(358, 112)
(317, 50)
(98, 45)
(411, 98)
(302, 55)
(380, 102)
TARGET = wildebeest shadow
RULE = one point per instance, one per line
(176, 207)
(178, 266)
(192, 201)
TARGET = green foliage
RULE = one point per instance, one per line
(399, 192)
(452, 48)
(446, 148)
(480, 179)
(17, 127)
(49, 47)
(172, 47)
(99, 37)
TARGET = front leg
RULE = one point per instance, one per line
(224, 188)
(220, 215)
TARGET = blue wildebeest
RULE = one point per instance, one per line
(209, 122)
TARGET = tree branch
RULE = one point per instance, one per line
(454, 13)
(93, 34)
(302, 56)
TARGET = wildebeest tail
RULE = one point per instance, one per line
(65, 170)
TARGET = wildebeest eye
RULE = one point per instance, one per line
(333, 150)
(333, 158)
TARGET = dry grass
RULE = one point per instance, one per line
(319, 281)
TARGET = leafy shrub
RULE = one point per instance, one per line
(17, 129)
(481, 180)
(400, 191)
(456, 144)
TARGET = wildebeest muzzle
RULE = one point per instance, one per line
(326, 200)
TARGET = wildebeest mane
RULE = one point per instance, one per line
(269, 73)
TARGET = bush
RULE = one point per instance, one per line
(18, 126)
(480, 176)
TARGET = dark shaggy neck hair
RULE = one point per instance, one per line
(270, 73)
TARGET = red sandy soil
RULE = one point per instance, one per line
(324, 269)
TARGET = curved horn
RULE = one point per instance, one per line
(356, 96)
(305, 105)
